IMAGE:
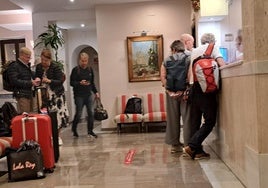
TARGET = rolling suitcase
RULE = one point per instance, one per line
(42, 103)
(55, 134)
(35, 127)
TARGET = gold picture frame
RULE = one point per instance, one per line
(145, 56)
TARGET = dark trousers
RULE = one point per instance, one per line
(80, 102)
(202, 105)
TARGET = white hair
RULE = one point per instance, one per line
(208, 38)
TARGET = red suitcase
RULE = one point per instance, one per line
(35, 127)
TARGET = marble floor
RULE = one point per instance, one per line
(129, 160)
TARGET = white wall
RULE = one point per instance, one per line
(229, 25)
(75, 40)
(114, 24)
(210, 27)
(24, 32)
(27, 35)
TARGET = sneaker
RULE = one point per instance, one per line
(189, 152)
(60, 141)
(75, 134)
(176, 149)
(93, 134)
(202, 155)
(90, 137)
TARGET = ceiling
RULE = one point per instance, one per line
(9, 7)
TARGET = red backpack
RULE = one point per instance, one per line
(206, 71)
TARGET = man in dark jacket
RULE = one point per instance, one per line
(20, 76)
(82, 81)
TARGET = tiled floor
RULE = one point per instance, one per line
(100, 163)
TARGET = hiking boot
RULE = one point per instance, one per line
(189, 152)
(176, 149)
(202, 155)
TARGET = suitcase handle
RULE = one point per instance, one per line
(27, 118)
(25, 114)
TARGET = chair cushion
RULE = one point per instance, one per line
(129, 118)
(155, 117)
(5, 142)
(121, 105)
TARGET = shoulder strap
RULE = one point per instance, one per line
(209, 49)
(172, 58)
(185, 56)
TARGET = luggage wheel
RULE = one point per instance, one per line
(49, 170)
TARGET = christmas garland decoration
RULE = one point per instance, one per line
(196, 5)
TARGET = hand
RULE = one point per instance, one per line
(174, 94)
(185, 97)
(84, 82)
(46, 80)
(36, 82)
(179, 93)
(171, 94)
(97, 95)
(187, 93)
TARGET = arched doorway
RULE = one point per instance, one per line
(93, 60)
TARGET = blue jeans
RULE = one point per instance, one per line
(80, 102)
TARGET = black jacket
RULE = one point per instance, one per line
(53, 73)
(20, 76)
(79, 74)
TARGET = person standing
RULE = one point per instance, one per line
(175, 87)
(239, 46)
(188, 41)
(51, 78)
(203, 104)
(21, 77)
(82, 81)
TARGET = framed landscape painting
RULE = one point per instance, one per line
(145, 56)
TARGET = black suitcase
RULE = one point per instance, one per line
(55, 134)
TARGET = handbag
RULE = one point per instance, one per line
(99, 112)
(25, 163)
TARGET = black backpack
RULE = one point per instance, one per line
(133, 106)
(6, 82)
(176, 74)
(7, 112)
(4, 128)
